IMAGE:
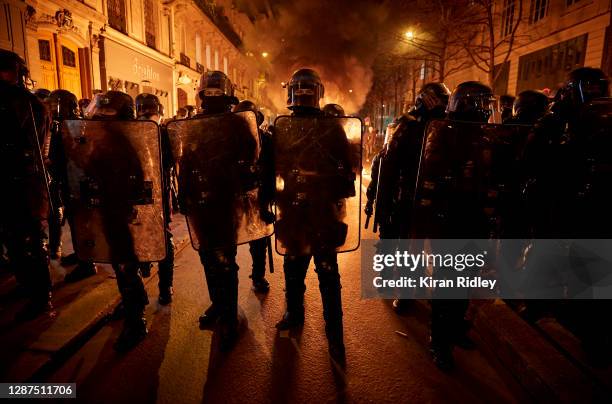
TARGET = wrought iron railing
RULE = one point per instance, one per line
(216, 15)
(185, 61)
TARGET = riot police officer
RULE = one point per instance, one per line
(83, 104)
(119, 106)
(547, 152)
(42, 94)
(220, 268)
(24, 206)
(506, 103)
(400, 158)
(569, 196)
(460, 217)
(529, 106)
(304, 92)
(333, 110)
(148, 107)
(400, 163)
(62, 105)
(258, 248)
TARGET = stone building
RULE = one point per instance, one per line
(553, 38)
(156, 46)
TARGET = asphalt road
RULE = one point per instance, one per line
(178, 362)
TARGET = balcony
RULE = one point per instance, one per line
(185, 61)
(216, 15)
(150, 40)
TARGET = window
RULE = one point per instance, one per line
(507, 17)
(44, 50)
(538, 10)
(198, 46)
(549, 66)
(68, 57)
(116, 15)
(208, 58)
(150, 23)
(500, 86)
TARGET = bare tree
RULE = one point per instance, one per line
(440, 30)
(496, 37)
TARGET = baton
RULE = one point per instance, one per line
(40, 158)
(270, 257)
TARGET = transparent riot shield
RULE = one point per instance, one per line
(318, 184)
(218, 178)
(467, 181)
(114, 181)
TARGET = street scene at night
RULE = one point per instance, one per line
(283, 201)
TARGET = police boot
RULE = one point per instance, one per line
(228, 294)
(83, 270)
(134, 299)
(294, 298)
(210, 316)
(329, 286)
(443, 333)
(257, 248)
(36, 280)
(166, 273)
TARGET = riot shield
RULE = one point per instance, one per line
(397, 177)
(218, 181)
(318, 184)
(114, 181)
(468, 179)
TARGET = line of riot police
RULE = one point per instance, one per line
(111, 170)
(446, 173)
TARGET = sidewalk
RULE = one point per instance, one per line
(82, 307)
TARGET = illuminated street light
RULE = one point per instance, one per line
(351, 90)
(409, 35)
(264, 54)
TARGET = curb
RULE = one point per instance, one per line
(39, 363)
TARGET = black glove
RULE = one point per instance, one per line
(369, 208)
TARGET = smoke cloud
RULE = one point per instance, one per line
(339, 39)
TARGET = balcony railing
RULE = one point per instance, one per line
(216, 15)
(185, 61)
(200, 68)
(150, 39)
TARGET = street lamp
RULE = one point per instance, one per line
(264, 54)
(409, 35)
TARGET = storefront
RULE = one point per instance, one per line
(129, 70)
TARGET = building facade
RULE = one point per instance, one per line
(553, 38)
(156, 46)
